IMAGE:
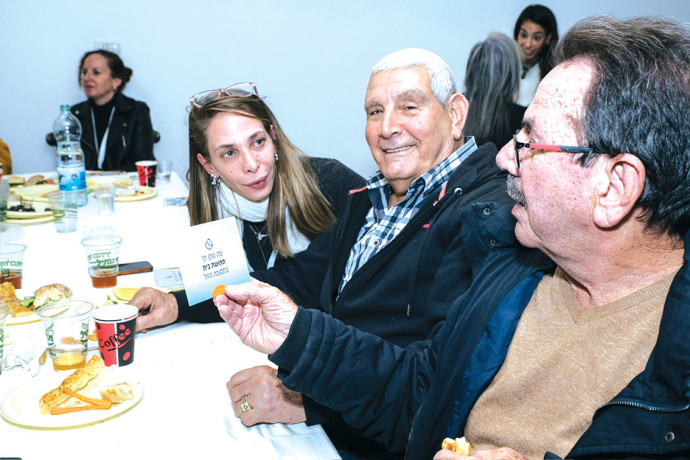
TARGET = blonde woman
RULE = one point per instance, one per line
(242, 164)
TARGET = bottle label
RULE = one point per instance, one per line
(72, 178)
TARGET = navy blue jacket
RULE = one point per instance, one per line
(410, 400)
(406, 289)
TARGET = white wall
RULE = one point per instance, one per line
(310, 59)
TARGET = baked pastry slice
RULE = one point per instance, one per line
(75, 381)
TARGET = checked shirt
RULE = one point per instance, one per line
(383, 224)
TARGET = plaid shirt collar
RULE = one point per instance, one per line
(382, 224)
(380, 190)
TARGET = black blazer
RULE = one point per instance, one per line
(130, 138)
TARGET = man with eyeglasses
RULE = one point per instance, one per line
(585, 354)
(404, 246)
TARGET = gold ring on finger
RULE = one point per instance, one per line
(244, 404)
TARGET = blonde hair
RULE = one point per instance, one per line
(294, 186)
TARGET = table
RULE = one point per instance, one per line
(185, 411)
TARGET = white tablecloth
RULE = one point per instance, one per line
(185, 411)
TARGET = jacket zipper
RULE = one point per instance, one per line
(409, 436)
(336, 305)
(640, 405)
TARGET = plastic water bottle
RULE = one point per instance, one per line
(70, 158)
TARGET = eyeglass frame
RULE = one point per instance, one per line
(548, 147)
(231, 90)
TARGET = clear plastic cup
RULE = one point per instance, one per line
(12, 263)
(105, 197)
(4, 196)
(4, 313)
(103, 255)
(64, 206)
(66, 324)
(164, 172)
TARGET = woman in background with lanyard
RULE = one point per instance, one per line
(116, 129)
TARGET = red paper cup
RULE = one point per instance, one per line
(115, 328)
(147, 172)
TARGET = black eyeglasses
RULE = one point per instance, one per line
(548, 147)
(240, 89)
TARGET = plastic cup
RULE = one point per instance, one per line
(3, 316)
(115, 328)
(164, 171)
(147, 172)
(11, 263)
(105, 197)
(66, 325)
(4, 196)
(64, 206)
(103, 255)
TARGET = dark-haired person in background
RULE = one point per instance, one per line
(116, 129)
(536, 31)
(492, 81)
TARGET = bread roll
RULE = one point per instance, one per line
(51, 293)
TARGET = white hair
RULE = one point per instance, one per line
(442, 79)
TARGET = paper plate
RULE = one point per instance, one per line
(107, 178)
(144, 193)
(20, 406)
(20, 215)
(35, 192)
(19, 320)
(36, 220)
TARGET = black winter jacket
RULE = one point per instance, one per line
(130, 138)
(410, 400)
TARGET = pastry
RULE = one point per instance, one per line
(75, 381)
(458, 445)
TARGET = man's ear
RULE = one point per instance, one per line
(457, 107)
(206, 164)
(620, 186)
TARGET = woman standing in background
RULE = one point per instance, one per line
(536, 31)
(116, 129)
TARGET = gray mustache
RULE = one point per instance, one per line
(515, 190)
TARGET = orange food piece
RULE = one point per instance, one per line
(92, 404)
(100, 403)
(219, 290)
(70, 341)
(68, 410)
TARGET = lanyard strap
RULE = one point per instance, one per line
(100, 150)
